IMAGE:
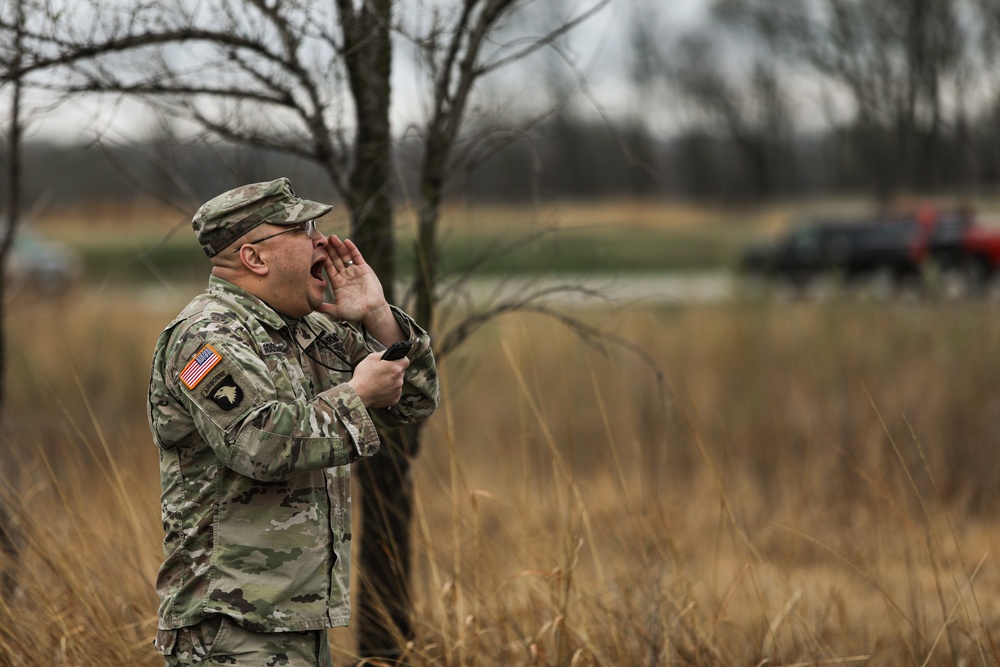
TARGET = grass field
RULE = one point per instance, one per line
(768, 483)
(814, 484)
(150, 243)
(143, 242)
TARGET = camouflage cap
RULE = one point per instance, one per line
(225, 218)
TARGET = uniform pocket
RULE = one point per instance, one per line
(165, 642)
(213, 635)
(193, 643)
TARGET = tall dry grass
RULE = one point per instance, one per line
(813, 484)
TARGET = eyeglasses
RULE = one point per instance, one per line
(309, 227)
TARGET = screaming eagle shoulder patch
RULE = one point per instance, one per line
(199, 367)
(224, 392)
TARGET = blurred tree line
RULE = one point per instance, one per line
(566, 158)
(570, 159)
(765, 99)
(833, 95)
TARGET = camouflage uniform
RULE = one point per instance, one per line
(220, 641)
(257, 427)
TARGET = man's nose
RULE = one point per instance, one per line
(319, 239)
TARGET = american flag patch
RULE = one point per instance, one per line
(199, 367)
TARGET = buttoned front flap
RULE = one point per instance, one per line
(165, 642)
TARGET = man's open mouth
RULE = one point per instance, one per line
(317, 270)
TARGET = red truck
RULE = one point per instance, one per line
(981, 246)
(961, 252)
(906, 248)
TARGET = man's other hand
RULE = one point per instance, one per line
(379, 383)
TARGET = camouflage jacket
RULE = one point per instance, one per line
(256, 428)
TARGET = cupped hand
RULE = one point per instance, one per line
(357, 291)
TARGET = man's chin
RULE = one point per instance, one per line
(316, 299)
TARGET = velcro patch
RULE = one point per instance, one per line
(199, 367)
(274, 348)
(224, 392)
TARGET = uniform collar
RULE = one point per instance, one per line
(252, 304)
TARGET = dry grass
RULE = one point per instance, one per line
(815, 485)
(155, 218)
(109, 216)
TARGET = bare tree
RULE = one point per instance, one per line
(733, 88)
(747, 103)
(897, 63)
(12, 79)
(313, 79)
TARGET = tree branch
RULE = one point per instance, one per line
(75, 52)
(548, 39)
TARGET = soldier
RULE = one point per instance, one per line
(261, 396)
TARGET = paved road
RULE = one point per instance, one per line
(633, 288)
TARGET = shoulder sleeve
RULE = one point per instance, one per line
(420, 385)
(254, 427)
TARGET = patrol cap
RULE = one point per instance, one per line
(225, 218)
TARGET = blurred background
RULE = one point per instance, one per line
(758, 114)
(713, 285)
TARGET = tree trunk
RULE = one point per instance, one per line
(431, 194)
(370, 201)
(384, 604)
(382, 617)
(13, 213)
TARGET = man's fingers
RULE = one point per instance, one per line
(344, 255)
(353, 253)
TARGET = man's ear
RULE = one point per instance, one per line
(252, 259)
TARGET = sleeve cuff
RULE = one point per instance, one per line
(417, 336)
(351, 412)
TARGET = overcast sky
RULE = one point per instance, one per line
(599, 46)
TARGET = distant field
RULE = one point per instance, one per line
(150, 243)
(145, 242)
(578, 251)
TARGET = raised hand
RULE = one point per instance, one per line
(357, 291)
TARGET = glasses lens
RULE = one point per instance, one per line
(310, 228)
